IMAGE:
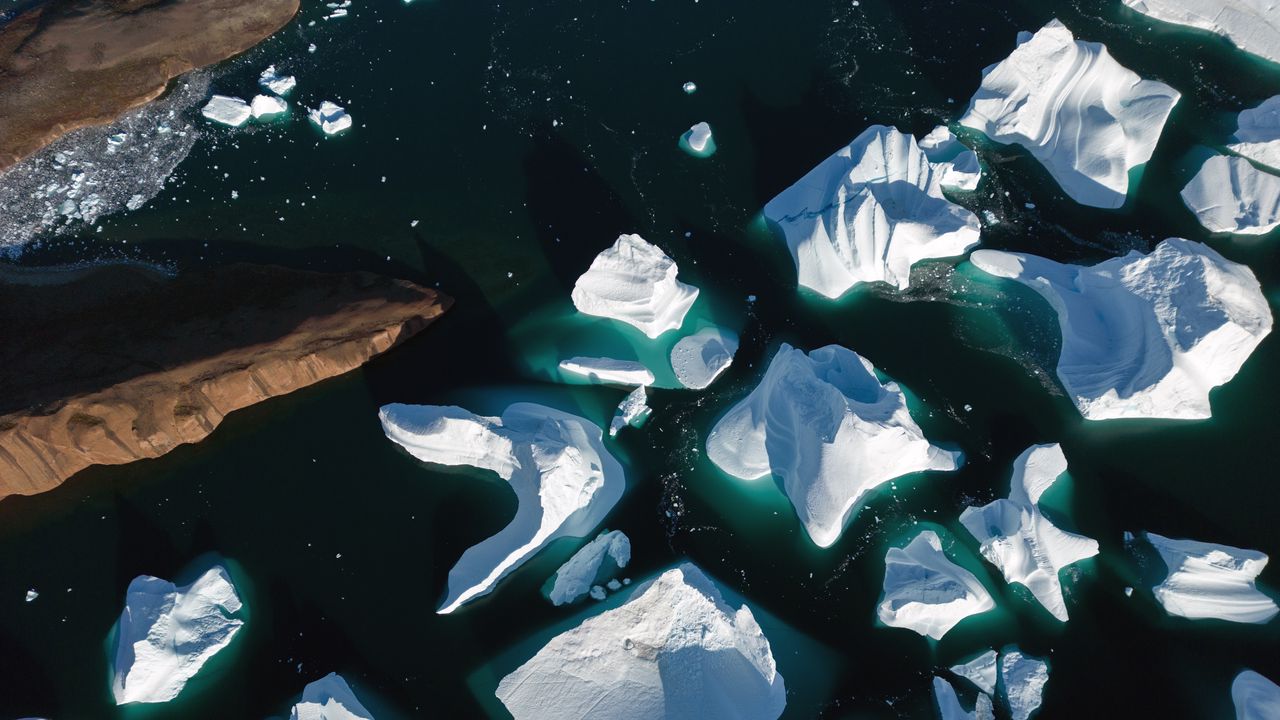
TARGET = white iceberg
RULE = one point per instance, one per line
(1206, 580)
(1257, 134)
(830, 430)
(226, 110)
(275, 82)
(698, 359)
(1146, 336)
(329, 698)
(675, 649)
(698, 141)
(869, 212)
(632, 411)
(330, 117)
(564, 480)
(949, 703)
(575, 578)
(167, 633)
(1017, 538)
(635, 282)
(1230, 195)
(1255, 697)
(924, 591)
(267, 106)
(981, 671)
(608, 370)
(1251, 25)
(1024, 679)
(1088, 119)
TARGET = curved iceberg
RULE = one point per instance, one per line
(575, 578)
(1230, 195)
(1206, 580)
(635, 282)
(1258, 133)
(949, 706)
(698, 359)
(1088, 119)
(981, 671)
(926, 592)
(830, 430)
(1255, 697)
(1251, 25)
(564, 480)
(872, 210)
(167, 633)
(329, 698)
(1024, 679)
(608, 370)
(1146, 336)
(675, 649)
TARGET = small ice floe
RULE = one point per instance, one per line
(597, 560)
(698, 359)
(329, 698)
(277, 83)
(926, 592)
(631, 412)
(698, 142)
(226, 110)
(338, 10)
(32, 595)
(981, 671)
(264, 106)
(690, 88)
(608, 370)
(330, 117)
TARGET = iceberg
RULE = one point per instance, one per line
(830, 430)
(1251, 25)
(1017, 538)
(329, 698)
(926, 592)
(267, 106)
(698, 142)
(1206, 580)
(1146, 336)
(1024, 680)
(1230, 195)
(1255, 697)
(330, 117)
(1088, 119)
(226, 110)
(949, 703)
(575, 578)
(871, 211)
(698, 359)
(608, 370)
(632, 411)
(674, 650)
(275, 82)
(634, 282)
(981, 671)
(1257, 134)
(564, 480)
(961, 169)
(167, 633)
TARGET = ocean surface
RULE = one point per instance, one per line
(498, 147)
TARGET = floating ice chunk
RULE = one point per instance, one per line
(275, 82)
(697, 141)
(675, 649)
(1251, 25)
(690, 88)
(1230, 195)
(1024, 680)
(1017, 538)
(961, 169)
(227, 110)
(1088, 119)
(869, 212)
(167, 633)
(1206, 580)
(330, 117)
(635, 282)
(339, 13)
(575, 578)
(267, 106)
(1258, 133)
(597, 592)
(564, 480)
(1146, 335)
(632, 411)
(700, 358)
(1255, 697)
(329, 698)
(608, 370)
(924, 591)
(32, 595)
(827, 426)
(981, 671)
(613, 585)
(949, 703)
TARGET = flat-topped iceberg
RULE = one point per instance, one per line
(329, 698)
(1206, 580)
(949, 706)
(830, 430)
(330, 117)
(632, 411)
(1024, 678)
(698, 359)
(167, 633)
(1257, 134)
(1015, 536)
(275, 82)
(608, 370)
(564, 480)
(871, 211)
(924, 591)
(1230, 195)
(981, 671)
(225, 110)
(575, 578)
(1255, 697)
(1251, 25)
(1088, 119)
(635, 282)
(675, 649)
(698, 141)
(267, 106)
(1146, 336)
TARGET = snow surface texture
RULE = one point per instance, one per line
(830, 430)
(564, 480)
(632, 411)
(167, 633)
(1146, 336)
(1206, 580)
(926, 592)
(1017, 538)
(1251, 25)
(1258, 133)
(275, 82)
(575, 578)
(949, 703)
(1255, 697)
(330, 117)
(674, 650)
(329, 698)
(1230, 195)
(872, 210)
(231, 111)
(981, 671)
(1024, 680)
(698, 359)
(1084, 116)
(635, 282)
(608, 370)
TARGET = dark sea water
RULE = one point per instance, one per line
(524, 137)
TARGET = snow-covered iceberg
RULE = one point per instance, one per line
(608, 370)
(1257, 134)
(225, 110)
(275, 82)
(329, 698)
(830, 430)
(949, 703)
(924, 591)
(1017, 538)
(1255, 697)
(871, 211)
(267, 106)
(1024, 678)
(632, 411)
(564, 480)
(1251, 25)
(167, 633)
(1088, 119)
(575, 578)
(698, 359)
(330, 117)
(1206, 580)
(981, 671)
(635, 282)
(698, 141)
(1230, 195)
(1146, 336)
(675, 649)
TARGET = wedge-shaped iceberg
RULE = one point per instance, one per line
(275, 82)
(635, 282)
(698, 359)
(632, 411)
(226, 110)
(1251, 25)
(564, 480)
(1255, 697)
(1206, 580)
(870, 212)
(330, 117)
(575, 578)
(608, 370)
(267, 106)
(674, 650)
(329, 698)
(167, 633)
(1024, 678)
(949, 703)
(1258, 133)
(926, 592)
(830, 430)
(1088, 119)
(1146, 336)
(1230, 195)
(1017, 538)
(981, 671)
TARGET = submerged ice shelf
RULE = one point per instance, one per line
(1206, 580)
(1251, 25)
(329, 698)
(575, 578)
(1230, 195)
(634, 282)
(924, 591)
